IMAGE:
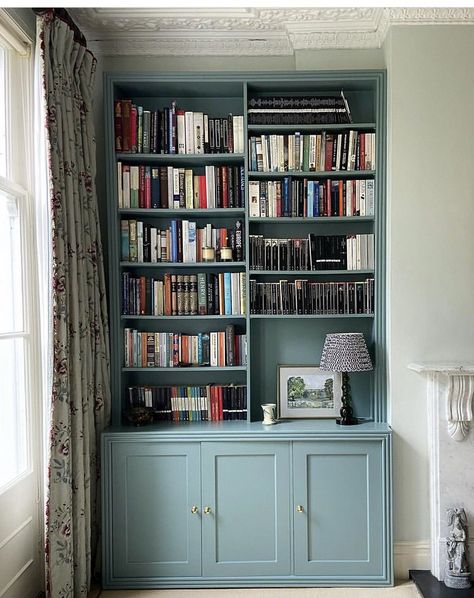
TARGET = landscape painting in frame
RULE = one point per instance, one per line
(308, 392)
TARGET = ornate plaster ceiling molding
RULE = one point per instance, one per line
(248, 31)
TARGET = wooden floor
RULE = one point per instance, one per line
(401, 590)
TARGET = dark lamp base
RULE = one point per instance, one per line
(347, 421)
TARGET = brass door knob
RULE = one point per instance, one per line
(194, 510)
(207, 510)
(300, 508)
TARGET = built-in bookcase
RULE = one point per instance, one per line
(272, 338)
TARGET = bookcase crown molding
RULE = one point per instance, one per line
(248, 31)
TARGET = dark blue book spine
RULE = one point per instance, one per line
(316, 199)
(174, 240)
(286, 197)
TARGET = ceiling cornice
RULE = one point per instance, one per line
(248, 31)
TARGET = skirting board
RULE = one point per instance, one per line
(410, 555)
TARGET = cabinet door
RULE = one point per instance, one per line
(340, 530)
(153, 531)
(247, 531)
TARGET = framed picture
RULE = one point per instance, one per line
(307, 391)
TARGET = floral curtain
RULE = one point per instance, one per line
(80, 398)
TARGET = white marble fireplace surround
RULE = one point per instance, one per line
(450, 389)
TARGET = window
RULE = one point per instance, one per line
(17, 281)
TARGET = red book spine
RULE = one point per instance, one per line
(362, 151)
(167, 301)
(220, 408)
(328, 152)
(202, 192)
(141, 186)
(328, 198)
(341, 198)
(147, 187)
(133, 129)
(224, 186)
(126, 109)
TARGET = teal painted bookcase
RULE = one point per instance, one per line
(235, 503)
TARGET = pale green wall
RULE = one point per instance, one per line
(431, 241)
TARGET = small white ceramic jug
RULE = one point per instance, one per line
(269, 416)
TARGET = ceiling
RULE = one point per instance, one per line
(247, 31)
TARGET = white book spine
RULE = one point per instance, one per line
(126, 188)
(181, 133)
(235, 292)
(119, 185)
(170, 188)
(213, 348)
(140, 241)
(192, 242)
(362, 198)
(312, 152)
(176, 188)
(188, 188)
(153, 251)
(254, 200)
(189, 132)
(370, 197)
(198, 133)
(185, 228)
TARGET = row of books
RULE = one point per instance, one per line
(176, 349)
(305, 297)
(348, 150)
(316, 252)
(204, 293)
(191, 403)
(173, 130)
(181, 242)
(277, 110)
(306, 198)
(144, 186)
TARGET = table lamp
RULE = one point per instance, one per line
(345, 352)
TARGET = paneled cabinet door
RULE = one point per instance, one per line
(156, 530)
(338, 508)
(246, 509)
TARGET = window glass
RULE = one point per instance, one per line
(11, 296)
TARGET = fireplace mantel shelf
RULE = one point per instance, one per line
(458, 368)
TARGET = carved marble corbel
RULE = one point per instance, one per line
(459, 392)
(459, 405)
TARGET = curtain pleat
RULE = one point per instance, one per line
(80, 402)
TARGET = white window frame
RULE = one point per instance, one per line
(19, 184)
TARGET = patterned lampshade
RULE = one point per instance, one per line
(345, 352)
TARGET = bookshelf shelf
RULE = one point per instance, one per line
(313, 174)
(181, 159)
(198, 317)
(203, 369)
(180, 265)
(310, 128)
(309, 272)
(179, 213)
(311, 220)
(309, 316)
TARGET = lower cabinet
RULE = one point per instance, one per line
(245, 487)
(235, 512)
(339, 509)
